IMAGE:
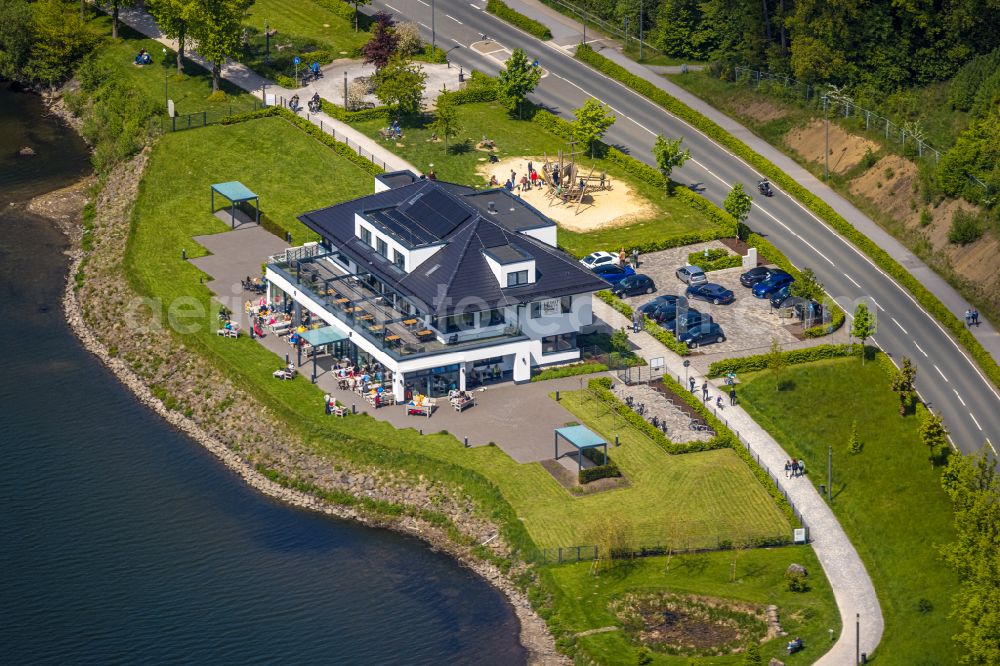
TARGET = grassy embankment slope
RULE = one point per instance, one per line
(888, 498)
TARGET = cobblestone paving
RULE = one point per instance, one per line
(678, 423)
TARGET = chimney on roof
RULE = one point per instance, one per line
(492, 206)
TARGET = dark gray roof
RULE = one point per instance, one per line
(397, 178)
(458, 270)
(512, 211)
(507, 254)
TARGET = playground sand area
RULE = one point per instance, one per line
(618, 206)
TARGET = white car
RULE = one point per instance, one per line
(595, 259)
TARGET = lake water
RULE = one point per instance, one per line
(121, 541)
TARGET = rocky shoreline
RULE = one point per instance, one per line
(201, 402)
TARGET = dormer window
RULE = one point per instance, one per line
(381, 247)
(366, 236)
(517, 278)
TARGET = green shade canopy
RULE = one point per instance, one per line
(581, 437)
(234, 190)
(323, 336)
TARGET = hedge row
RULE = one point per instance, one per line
(661, 334)
(529, 25)
(338, 112)
(836, 321)
(570, 371)
(609, 471)
(793, 357)
(764, 166)
(601, 387)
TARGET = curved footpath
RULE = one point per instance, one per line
(852, 587)
(851, 584)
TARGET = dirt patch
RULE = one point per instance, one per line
(892, 186)
(763, 111)
(846, 150)
(689, 624)
(618, 206)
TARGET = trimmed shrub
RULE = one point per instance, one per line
(608, 471)
(718, 259)
(529, 25)
(765, 167)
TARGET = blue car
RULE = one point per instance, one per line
(614, 274)
(766, 288)
(664, 300)
(704, 334)
(711, 292)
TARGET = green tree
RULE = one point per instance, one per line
(516, 80)
(974, 489)
(17, 36)
(933, 434)
(592, 120)
(854, 444)
(776, 362)
(357, 5)
(217, 26)
(61, 38)
(752, 655)
(445, 123)
(807, 286)
(669, 156)
(902, 383)
(115, 6)
(738, 204)
(863, 326)
(174, 18)
(400, 86)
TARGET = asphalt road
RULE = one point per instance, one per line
(947, 379)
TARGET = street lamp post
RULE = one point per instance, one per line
(829, 474)
(433, 33)
(267, 42)
(640, 30)
(166, 73)
(826, 152)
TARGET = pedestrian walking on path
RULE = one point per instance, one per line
(802, 467)
(732, 396)
(704, 391)
(788, 468)
(691, 383)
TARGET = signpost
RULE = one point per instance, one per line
(297, 60)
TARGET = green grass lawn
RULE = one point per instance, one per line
(306, 25)
(517, 138)
(582, 598)
(888, 498)
(712, 491)
(190, 91)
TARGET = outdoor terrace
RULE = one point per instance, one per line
(381, 316)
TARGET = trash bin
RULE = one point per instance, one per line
(864, 657)
(822, 489)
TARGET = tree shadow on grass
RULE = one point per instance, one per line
(460, 147)
(786, 385)
(695, 565)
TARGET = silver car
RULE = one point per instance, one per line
(691, 275)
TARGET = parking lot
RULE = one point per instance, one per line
(749, 323)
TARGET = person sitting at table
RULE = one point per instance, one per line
(378, 375)
(294, 338)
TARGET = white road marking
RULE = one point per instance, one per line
(852, 280)
(976, 422)
(900, 325)
(991, 446)
(423, 3)
(876, 304)
(940, 373)
(475, 6)
(393, 8)
(455, 40)
(454, 19)
(959, 397)
(921, 350)
(425, 26)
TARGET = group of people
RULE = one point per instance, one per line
(395, 131)
(794, 467)
(528, 181)
(143, 58)
(719, 403)
(971, 317)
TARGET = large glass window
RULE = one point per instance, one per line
(516, 278)
(491, 317)
(566, 304)
(381, 247)
(553, 344)
(366, 236)
(455, 323)
(398, 259)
